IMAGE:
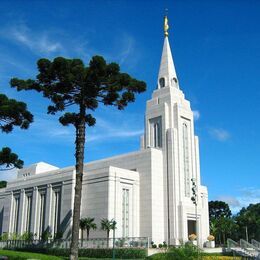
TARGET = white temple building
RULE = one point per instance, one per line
(147, 192)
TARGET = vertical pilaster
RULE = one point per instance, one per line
(48, 212)
(8, 214)
(34, 222)
(21, 212)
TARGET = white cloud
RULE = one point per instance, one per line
(246, 196)
(127, 50)
(107, 129)
(37, 42)
(231, 201)
(219, 134)
(48, 128)
(196, 114)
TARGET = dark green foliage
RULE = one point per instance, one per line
(27, 236)
(58, 235)
(121, 253)
(3, 184)
(68, 82)
(224, 226)
(218, 209)
(108, 225)
(249, 217)
(46, 235)
(10, 159)
(221, 223)
(87, 224)
(13, 113)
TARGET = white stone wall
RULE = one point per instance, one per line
(102, 198)
(47, 181)
(148, 163)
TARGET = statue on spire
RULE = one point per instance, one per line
(166, 26)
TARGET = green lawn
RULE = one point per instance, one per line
(13, 255)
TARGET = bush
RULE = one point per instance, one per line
(123, 253)
(164, 244)
(187, 251)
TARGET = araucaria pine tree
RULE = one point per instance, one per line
(69, 83)
(12, 113)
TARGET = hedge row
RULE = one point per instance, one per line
(123, 253)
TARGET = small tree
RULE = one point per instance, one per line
(90, 225)
(82, 226)
(12, 113)
(108, 225)
(67, 83)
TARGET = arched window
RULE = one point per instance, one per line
(186, 160)
(162, 82)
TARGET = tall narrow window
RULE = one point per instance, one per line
(41, 214)
(186, 160)
(157, 135)
(28, 210)
(156, 132)
(125, 213)
(15, 214)
(56, 213)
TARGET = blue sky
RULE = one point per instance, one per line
(216, 49)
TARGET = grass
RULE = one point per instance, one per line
(17, 255)
(13, 255)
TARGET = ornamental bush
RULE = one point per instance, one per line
(187, 252)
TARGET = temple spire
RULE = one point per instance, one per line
(167, 75)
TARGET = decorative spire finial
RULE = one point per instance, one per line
(166, 26)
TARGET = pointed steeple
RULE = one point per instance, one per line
(167, 75)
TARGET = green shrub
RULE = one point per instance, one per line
(27, 236)
(164, 244)
(46, 235)
(187, 251)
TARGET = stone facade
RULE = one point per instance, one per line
(147, 192)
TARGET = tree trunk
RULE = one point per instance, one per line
(87, 234)
(108, 238)
(80, 144)
(82, 237)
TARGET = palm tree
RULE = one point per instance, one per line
(82, 225)
(108, 225)
(89, 224)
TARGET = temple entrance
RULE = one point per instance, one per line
(191, 227)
